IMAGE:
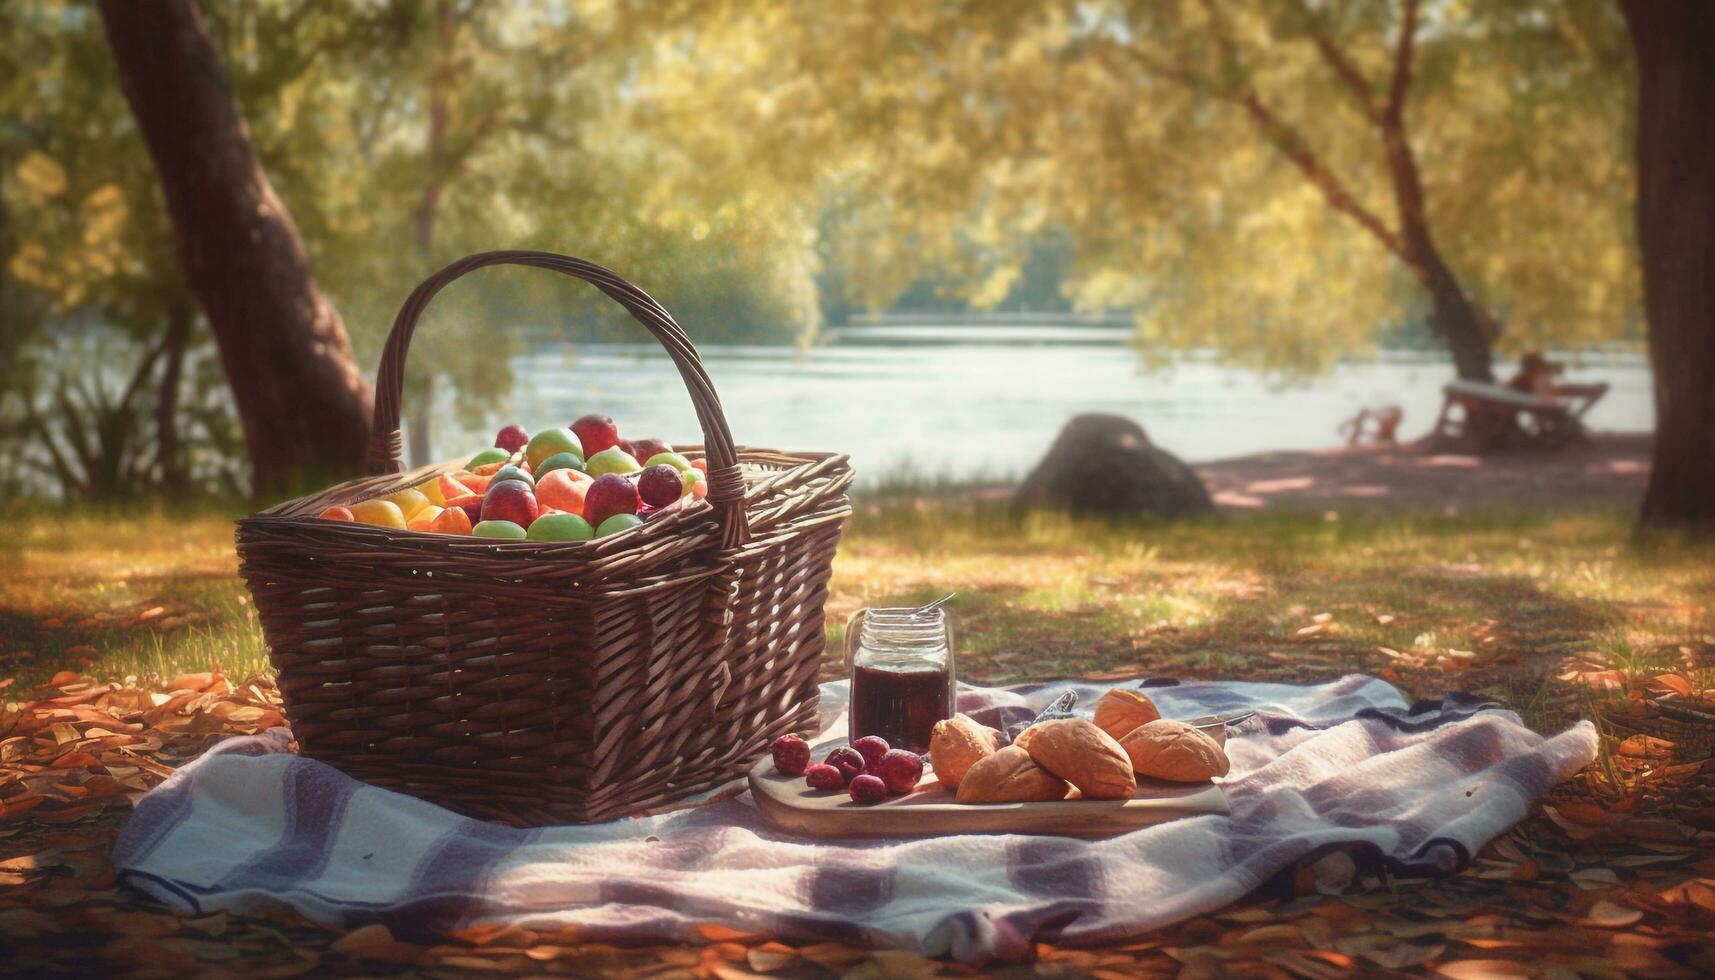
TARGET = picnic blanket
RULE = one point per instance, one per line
(1344, 779)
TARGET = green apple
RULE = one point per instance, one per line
(498, 529)
(488, 456)
(512, 473)
(618, 523)
(674, 460)
(611, 460)
(561, 527)
(560, 461)
(551, 442)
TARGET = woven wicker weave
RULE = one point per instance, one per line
(537, 683)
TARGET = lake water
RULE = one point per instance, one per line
(983, 402)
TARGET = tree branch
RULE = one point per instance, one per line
(1293, 146)
(1343, 65)
(1404, 48)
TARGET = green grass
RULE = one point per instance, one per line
(1491, 602)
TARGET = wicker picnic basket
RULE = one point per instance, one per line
(537, 682)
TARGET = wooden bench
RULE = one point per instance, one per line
(1496, 416)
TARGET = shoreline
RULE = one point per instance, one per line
(1612, 468)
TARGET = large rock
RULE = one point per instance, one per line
(1104, 465)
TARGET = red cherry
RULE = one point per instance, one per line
(791, 755)
(867, 789)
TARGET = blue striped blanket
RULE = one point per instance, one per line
(1344, 778)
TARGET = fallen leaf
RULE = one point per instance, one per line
(1611, 915)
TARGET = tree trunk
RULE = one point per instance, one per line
(304, 406)
(175, 475)
(1675, 45)
(1454, 316)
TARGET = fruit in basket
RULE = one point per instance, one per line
(337, 513)
(609, 495)
(1123, 709)
(551, 442)
(1082, 754)
(872, 748)
(512, 438)
(471, 504)
(410, 501)
(648, 448)
(563, 490)
(847, 760)
(560, 527)
(611, 460)
(425, 516)
(451, 520)
(450, 488)
(791, 755)
(867, 789)
(824, 776)
(1173, 750)
(899, 770)
(597, 432)
(671, 458)
(512, 473)
(701, 464)
(472, 482)
(560, 461)
(618, 523)
(498, 529)
(696, 484)
(660, 485)
(510, 500)
(486, 457)
(958, 743)
(1009, 776)
(380, 513)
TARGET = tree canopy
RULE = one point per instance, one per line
(1222, 166)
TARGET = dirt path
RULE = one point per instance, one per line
(1611, 469)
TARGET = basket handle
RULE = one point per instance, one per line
(726, 484)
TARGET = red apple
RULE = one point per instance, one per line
(644, 449)
(596, 432)
(610, 494)
(512, 438)
(511, 500)
(471, 504)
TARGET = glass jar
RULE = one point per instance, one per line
(902, 679)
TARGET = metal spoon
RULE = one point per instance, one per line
(931, 607)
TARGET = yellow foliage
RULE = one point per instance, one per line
(41, 176)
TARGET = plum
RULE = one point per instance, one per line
(660, 485)
(847, 760)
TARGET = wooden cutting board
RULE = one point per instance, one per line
(790, 804)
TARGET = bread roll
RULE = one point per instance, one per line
(958, 744)
(1173, 750)
(1123, 709)
(1009, 776)
(1082, 754)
